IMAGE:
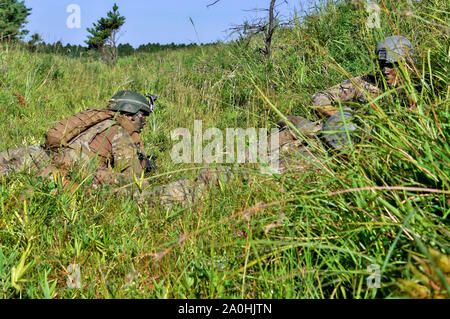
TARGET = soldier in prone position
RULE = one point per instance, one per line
(105, 141)
(390, 53)
(113, 143)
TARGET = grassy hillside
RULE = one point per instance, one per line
(304, 234)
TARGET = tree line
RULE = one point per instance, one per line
(123, 50)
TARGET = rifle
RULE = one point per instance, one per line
(147, 162)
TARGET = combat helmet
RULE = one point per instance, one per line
(132, 102)
(334, 131)
(393, 49)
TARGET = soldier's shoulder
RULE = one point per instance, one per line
(366, 78)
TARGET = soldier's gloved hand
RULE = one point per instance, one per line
(146, 162)
(150, 165)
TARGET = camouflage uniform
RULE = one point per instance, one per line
(390, 52)
(111, 150)
(355, 89)
(293, 152)
(106, 146)
(27, 158)
(187, 191)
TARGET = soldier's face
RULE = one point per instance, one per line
(391, 75)
(138, 121)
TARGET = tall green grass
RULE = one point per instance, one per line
(303, 234)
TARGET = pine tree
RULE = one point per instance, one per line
(13, 16)
(35, 38)
(104, 34)
(34, 41)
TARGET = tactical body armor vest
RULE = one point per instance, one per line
(89, 133)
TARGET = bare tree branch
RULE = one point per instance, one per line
(266, 25)
(211, 4)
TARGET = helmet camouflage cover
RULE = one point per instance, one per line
(393, 49)
(334, 130)
(131, 102)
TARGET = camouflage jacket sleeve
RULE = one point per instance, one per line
(124, 153)
(352, 90)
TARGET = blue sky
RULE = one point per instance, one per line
(162, 21)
